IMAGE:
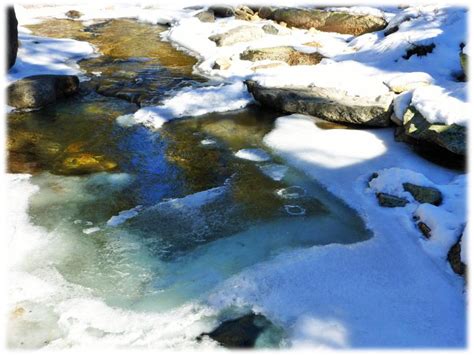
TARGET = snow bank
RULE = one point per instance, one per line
(442, 105)
(326, 295)
(191, 102)
(43, 55)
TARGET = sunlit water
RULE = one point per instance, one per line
(201, 213)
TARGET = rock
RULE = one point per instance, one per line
(327, 21)
(419, 50)
(222, 64)
(270, 29)
(423, 194)
(450, 137)
(425, 229)
(285, 54)
(85, 163)
(39, 90)
(244, 13)
(391, 201)
(206, 16)
(222, 11)
(73, 14)
(265, 12)
(326, 103)
(454, 258)
(241, 332)
(464, 60)
(237, 35)
(12, 36)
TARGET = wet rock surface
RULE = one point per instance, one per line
(40, 90)
(242, 332)
(326, 103)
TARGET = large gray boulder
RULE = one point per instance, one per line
(222, 10)
(285, 54)
(12, 36)
(326, 103)
(327, 21)
(39, 90)
(237, 35)
(450, 137)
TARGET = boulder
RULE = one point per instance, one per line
(326, 103)
(327, 21)
(222, 64)
(222, 10)
(206, 16)
(423, 194)
(450, 137)
(39, 90)
(454, 259)
(237, 35)
(241, 332)
(73, 14)
(244, 13)
(285, 54)
(12, 36)
(265, 12)
(391, 201)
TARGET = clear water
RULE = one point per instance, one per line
(205, 214)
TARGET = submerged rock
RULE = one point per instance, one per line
(450, 137)
(241, 332)
(12, 36)
(326, 103)
(391, 201)
(423, 194)
(327, 21)
(39, 90)
(237, 35)
(285, 54)
(85, 163)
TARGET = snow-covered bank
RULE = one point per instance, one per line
(43, 55)
(384, 292)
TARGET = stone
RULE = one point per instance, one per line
(222, 10)
(12, 36)
(464, 63)
(206, 16)
(424, 194)
(73, 14)
(222, 64)
(419, 50)
(454, 259)
(425, 229)
(265, 12)
(244, 13)
(327, 21)
(391, 201)
(85, 163)
(285, 54)
(39, 90)
(239, 333)
(237, 35)
(326, 103)
(450, 137)
(270, 29)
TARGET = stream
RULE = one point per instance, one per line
(197, 214)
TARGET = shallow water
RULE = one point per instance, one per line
(202, 214)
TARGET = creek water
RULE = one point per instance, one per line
(200, 213)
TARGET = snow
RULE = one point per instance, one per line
(43, 55)
(191, 102)
(408, 81)
(275, 171)
(442, 105)
(396, 270)
(401, 103)
(124, 216)
(253, 154)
